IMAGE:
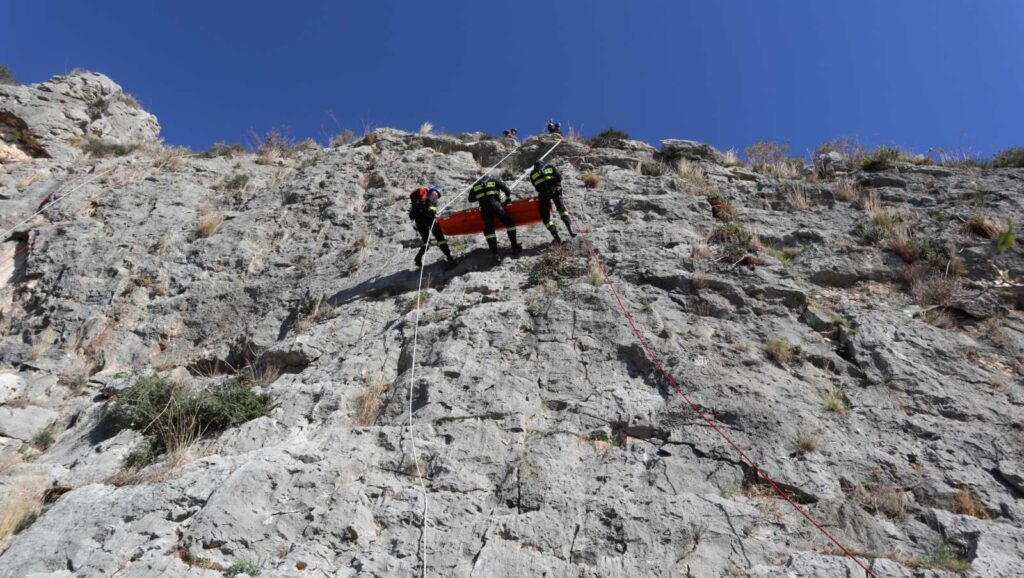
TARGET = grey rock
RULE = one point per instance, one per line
(76, 106)
(1013, 474)
(547, 440)
(24, 423)
(673, 150)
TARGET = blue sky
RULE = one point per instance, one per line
(916, 73)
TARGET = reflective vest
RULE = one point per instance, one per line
(547, 174)
(487, 188)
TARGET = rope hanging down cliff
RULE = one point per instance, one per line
(642, 341)
(415, 343)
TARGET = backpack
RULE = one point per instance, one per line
(418, 201)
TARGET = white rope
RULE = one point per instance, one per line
(412, 370)
(54, 202)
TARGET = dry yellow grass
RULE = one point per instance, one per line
(796, 196)
(965, 503)
(27, 181)
(591, 180)
(901, 241)
(596, 275)
(784, 170)
(806, 442)
(369, 403)
(700, 249)
(731, 159)
(846, 189)
(22, 506)
(835, 400)
(779, 350)
(690, 171)
(427, 127)
(42, 343)
(209, 224)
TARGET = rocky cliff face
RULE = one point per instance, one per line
(863, 343)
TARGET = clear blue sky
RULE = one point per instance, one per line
(916, 73)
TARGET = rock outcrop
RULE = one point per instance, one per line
(878, 380)
(67, 110)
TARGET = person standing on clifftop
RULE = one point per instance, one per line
(548, 182)
(422, 211)
(554, 127)
(488, 192)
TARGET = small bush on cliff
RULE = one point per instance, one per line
(882, 158)
(99, 148)
(173, 415)
(608, 136)
(764, 154)
(1010, 158)
(6, 76)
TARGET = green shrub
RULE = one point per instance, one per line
(141, 455)
(237, 182)
(1010, 158)
(871, 232)
(736, 237)
(238, 567)
(1005, 240)
(100, 148)
(721, 207)
(554, 263)
(947, 557)
(43, 440)
(883, 157)
(779, 350)
(173, 415)
(223, 149)
(607, 137)
(230, 404)
(6, 76)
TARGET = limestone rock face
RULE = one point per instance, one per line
(66, 110)
(885, 398)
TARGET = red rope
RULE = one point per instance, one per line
(708, 420)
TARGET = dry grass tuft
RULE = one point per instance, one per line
(846, 189)
(965, 503)
(902, 242)
(795, 194)
(835, 400)
(596, 275)
(880, 497)
(699, 249)
(22, 506)
(779, 350)
(936, 290)
(979, 225)
(731, 159)
(27, 181)
(369, 403)
(427, 128)
(42, 343)
(209, 224)
(806, 442)
(786, 169)
(939, 318)
(690, 171)
(591, 180)
(721, 207)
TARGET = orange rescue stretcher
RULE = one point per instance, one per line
(469, 222)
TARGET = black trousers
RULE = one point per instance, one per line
(423, 226)
(547, 198)
(491, 209)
